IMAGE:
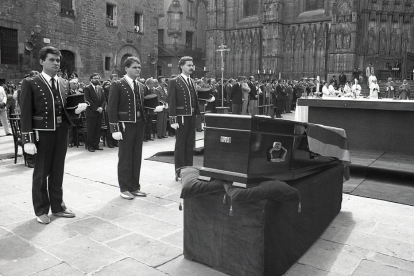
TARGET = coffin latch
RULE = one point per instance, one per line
(277, 153)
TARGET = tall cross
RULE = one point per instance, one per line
(222, 48)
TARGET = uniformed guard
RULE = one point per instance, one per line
(44, 122)
(127, 122)
(183, 103)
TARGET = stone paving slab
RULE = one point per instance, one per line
(39, 234)
(19, 257)
(307, 270)
(146, 250)
(375, 243)
(147, 226)
(84, 254)
(107, 211)
(129, 267)
(97, 229)
(176, 239)
(181, 266)
(173, 216)
(369, 268)
(5, 233)
(10, 214)
(139, 206)
(60, 270)
(394, 262)
(337, 258)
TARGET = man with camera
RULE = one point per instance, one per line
(3, 111)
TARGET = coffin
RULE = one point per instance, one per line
(250, 150)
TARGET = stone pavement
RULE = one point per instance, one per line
(113, 236)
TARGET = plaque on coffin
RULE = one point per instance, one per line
(250, 150)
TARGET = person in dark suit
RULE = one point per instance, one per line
(149, 89)
(162, 116)
(111, 141)
(253, 96)
(44, 122)
(278, 98)
(95, 99)
(236, 97)
(183, 105)
(342, 79)
(127, 123)
(334, 81)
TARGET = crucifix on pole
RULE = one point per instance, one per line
(222, 48)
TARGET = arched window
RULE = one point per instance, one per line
(175, 14)
(251, 8)
(314, 5)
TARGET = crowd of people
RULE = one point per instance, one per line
(353, 89)
(243, 95)
(132, 110)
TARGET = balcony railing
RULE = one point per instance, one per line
(110, 22)
(179, 50)
(133, 35)
(67, 12)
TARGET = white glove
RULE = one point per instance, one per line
(117, 135)
(81, 107)
(175, 126)
(159, 108)
(30, 148)
(212, 99)
(100, 109)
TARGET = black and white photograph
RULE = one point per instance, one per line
(207, 137)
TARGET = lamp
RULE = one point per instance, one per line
(36, 30)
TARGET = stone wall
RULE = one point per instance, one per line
(86, 34)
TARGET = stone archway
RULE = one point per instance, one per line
(67, 64)
(122, 68)
(123, 53)
(77, 61)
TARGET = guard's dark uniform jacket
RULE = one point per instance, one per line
(38, 103)
(122, 104)
(180, 99)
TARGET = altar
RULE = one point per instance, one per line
(370, 124)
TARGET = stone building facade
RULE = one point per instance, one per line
(182, 32)
(93, 36)
(309, 38)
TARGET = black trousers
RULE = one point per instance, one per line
(279, 106)
(148, 124)
(111, 141)
(48, 171)
(130, 155)
(94, 129)
(185, 141)
(236, 108)
(162, 118)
